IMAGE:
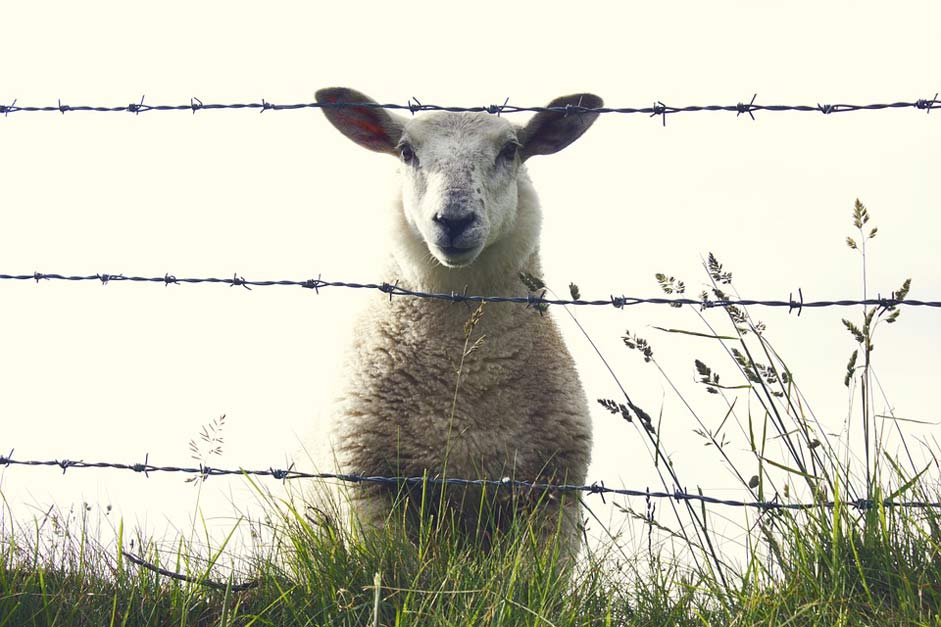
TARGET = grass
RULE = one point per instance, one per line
(855, 558)
(321, 575)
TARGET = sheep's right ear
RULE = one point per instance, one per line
(370, 127)
(551, 131)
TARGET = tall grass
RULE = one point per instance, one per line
(856, 557)
(853, 558)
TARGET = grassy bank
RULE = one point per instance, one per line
(822, 567)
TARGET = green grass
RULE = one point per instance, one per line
(826, 567)
(314, 573)
(836, 564)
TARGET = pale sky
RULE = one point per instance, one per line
(112, 373)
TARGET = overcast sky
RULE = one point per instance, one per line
(120, 371)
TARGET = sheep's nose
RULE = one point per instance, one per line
(454, 227)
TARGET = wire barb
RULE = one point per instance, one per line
(239, 281)
(799, 305)
(136, 108)
(497, 109)
(886, 304)
(389, 289)
(313, 284)
(747, 108)
(65, 464)
(598, 488)
(660, 109)
(927, 105)
(144, 468)
(281, 474)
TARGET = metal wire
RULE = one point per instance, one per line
(392, 289)
(202, 581)
(505, 483)
(657, 109)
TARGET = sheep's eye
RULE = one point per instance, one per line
(508, 153)
(408, 154)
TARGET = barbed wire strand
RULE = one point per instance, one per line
(597, 487)
(216, 585)
(413, 106)
(393, 289)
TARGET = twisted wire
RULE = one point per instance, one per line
(597, 487)
(393, 289)
(413, 106)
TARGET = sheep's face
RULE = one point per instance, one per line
(458, 177)
(459, 171)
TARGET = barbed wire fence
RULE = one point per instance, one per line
(597, 488)
(657, 109)
(414, 105)
(393, 289)
(285, 474)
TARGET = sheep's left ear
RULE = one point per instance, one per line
(370, 126)
(551, 131)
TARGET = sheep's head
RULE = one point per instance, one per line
(459, 171)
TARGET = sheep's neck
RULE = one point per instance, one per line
(467, 280)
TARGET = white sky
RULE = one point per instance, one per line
(111, 373)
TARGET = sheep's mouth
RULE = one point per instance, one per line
(456, 256)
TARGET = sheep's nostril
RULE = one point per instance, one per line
(454, 227)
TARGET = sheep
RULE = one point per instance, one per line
(465, 219)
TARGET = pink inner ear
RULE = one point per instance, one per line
(364, 121)
(360, 117)
(369, 129)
